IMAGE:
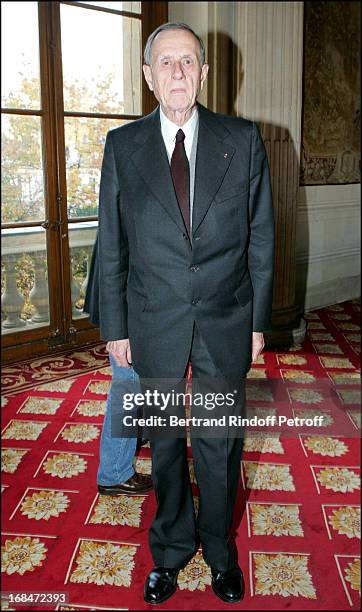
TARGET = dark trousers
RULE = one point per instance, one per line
(176, 533)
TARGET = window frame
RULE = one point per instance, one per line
(63, 331)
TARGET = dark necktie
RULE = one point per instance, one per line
(180, 171)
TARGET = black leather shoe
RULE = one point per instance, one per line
(229, 585)
(160, 584)
(136, 485)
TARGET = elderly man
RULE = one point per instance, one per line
(186, 248)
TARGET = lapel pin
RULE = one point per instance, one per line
(225, 155)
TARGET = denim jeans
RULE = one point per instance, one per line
(116, 454)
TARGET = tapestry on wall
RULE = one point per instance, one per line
(331, 104)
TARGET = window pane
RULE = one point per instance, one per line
(133, 7)
(22, 169)
(101, 61)
(84, 144)
(24, 284)
(81, 240)
(20, 81)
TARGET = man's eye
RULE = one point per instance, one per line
(165, 63)
(188, 62)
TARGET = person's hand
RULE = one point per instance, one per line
(257, 345)
(121, 352)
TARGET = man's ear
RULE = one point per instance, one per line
(148, 76)
(204, 71)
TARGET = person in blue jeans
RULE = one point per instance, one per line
(116, 474)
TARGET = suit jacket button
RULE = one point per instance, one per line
(195, 301)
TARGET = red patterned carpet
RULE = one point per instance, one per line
(298, 512)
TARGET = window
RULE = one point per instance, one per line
(70, 72)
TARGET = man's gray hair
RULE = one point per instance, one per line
(171, 25)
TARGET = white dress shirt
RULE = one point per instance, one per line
(191, 130)
(170, 129)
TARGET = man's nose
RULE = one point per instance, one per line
(178, 72)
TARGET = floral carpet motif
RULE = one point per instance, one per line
(297, 519)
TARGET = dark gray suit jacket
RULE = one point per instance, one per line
(148, 282)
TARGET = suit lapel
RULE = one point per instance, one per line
(152, 163)
(213, 158)
(212, 161)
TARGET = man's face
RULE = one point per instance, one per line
(175, 75)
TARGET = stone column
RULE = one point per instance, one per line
(12, 301)
(89, 251)
(39, 295)
(75, 286)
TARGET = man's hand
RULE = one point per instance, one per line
(258, 345)
(121, 351)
